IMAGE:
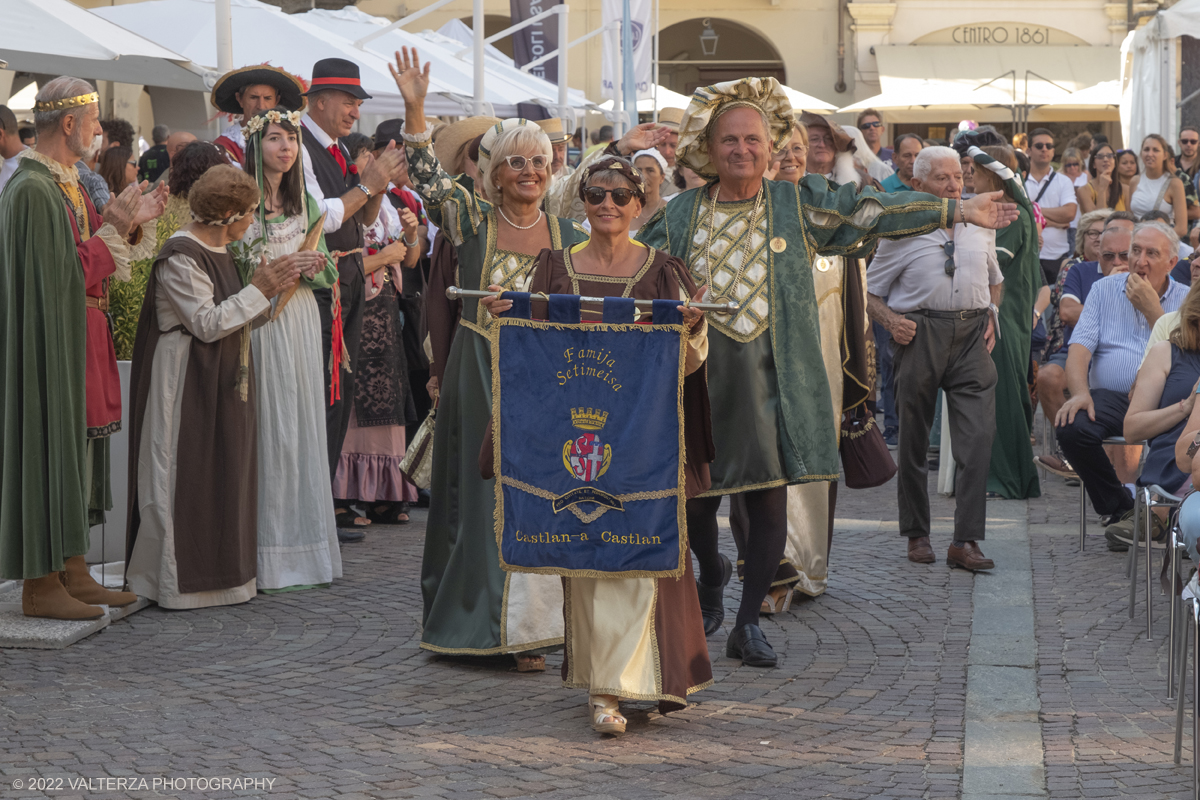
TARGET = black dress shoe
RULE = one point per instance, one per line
(749, 644)
(345, 535)
(712, 599)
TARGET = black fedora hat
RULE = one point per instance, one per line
(290, 88)
(389, 130)
(337, 73)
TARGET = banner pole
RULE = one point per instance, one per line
(730, 307)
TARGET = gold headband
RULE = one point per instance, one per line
(68, 102)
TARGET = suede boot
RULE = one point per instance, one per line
(83, 587)
(47, 597)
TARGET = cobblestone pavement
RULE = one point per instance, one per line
(327, 693)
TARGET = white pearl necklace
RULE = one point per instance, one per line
(515, 225)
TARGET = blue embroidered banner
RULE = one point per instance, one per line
(588, 436)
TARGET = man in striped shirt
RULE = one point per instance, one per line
(1106, 349)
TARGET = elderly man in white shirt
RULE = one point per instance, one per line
(939, 289)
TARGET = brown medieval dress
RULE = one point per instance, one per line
(639, 638)
(193, 467)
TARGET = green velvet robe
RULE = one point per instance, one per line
(773, 423)
(43, 437)
(1012, 473)
(472, 606)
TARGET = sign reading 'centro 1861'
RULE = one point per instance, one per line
(1020, 34)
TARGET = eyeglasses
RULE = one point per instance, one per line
(518, 162)
(1103, 157)
(1122, 256)
(1069, 164)
(1092, 234)
(1189, 141)
(595, 195)
(867, 125)
(1042, 145)
(948, 249)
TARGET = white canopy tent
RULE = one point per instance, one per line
(806, 102)
(263, 33)
(460, 32)
(664, 98)
(988, 84)
(57, 37)
(1149, 63)
(506, 85)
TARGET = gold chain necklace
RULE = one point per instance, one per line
(712, 215)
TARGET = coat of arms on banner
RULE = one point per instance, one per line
(587, 424)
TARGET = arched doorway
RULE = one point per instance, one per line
(707, 50)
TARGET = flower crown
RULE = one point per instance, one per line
(260, 121)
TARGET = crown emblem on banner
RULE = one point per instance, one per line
(587, 419)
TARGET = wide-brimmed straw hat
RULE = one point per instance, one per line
(554, 129)
(670, 117)
(290, 87)
(450, 146)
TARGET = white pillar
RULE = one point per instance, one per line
(224, 36)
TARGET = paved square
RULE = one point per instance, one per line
(903, 680)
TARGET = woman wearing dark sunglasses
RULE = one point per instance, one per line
(615, 626)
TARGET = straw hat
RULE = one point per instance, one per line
(670, 117)
(290, 88)
(452, 140)
(554, 129)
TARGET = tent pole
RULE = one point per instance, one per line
(477, 32)
(562, 61)
(655, 89)
(224, 37)
(618, 86)
(629, 72)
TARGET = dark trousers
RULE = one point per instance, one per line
(949, 354)
(1081, 444)
(887, 376)
(337, 414)
(1050, 267)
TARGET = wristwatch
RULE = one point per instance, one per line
(1194, 446)
(363, 186)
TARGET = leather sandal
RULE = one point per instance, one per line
(712, 599)
(777, 601)
(605, 712)
(750, 645)
(528, 663)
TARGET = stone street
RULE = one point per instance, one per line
(903, 680)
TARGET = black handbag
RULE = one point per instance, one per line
(866, 459)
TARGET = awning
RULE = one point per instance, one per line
(263, 33)
(56, 37)
(930, 82)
